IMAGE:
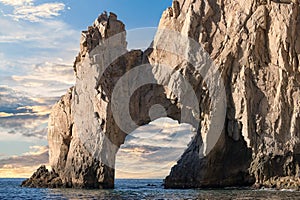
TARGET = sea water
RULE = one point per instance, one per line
(138, 189)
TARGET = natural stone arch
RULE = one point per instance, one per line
(94, 132)
(98, 154)
(84, 142)
(257, 48)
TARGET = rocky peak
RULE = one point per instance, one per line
(105, 26)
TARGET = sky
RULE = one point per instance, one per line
(39, 40)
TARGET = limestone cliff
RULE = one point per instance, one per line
(252, 54)
(256, 45)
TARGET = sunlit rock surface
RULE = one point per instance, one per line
(257, 48)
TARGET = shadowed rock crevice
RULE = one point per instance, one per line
(226, 165)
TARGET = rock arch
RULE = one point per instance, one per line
(257, 48)
(114, 92)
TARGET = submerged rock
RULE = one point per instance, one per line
(255, 47)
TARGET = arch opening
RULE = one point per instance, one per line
(151, 150)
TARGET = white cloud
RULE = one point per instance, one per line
(38, 13)
(17, 2)
(38, 33)
(27, 10)
(37, 62)
(36, 150)
(33, 64)
(46, 80)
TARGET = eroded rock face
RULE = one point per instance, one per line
(42, 178)
(255, 46)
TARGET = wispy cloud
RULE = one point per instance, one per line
(35, 70)
(4, 114)
(46, 80)
(27, 10)
(37, 52)
(17, 2)
(20, 114)
(24, 165)
(37, 150)
(23, 126)
(17, 102)
(38, 34)
(11, 100)
(162, 141)
(38, 13)
(38, 155)
(2, 155)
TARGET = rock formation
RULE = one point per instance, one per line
(254, 44)
(43, 178)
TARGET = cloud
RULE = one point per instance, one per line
(17, 2)
(37, 150)
(35, 70)
(26, 10)
(46, 80)
(2, 155)
(20, 114)
(33, 158)
(31, 57)
(17, 102)
(38, 35)
(25, 44)
(165, 132)
(24, 165)
(11, 100)
(151, 150)
(38, 13)
(26, 126)
(26, 103)
(20, 172)
(3, 114)
(29, 84)
(38, 157)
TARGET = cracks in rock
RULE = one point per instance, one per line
(223, 13)
(293, 26)
(182, 4)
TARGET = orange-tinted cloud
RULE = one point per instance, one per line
(23, 166)
(151, 150)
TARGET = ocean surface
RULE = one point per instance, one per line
(137, 189)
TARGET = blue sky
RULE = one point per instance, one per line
(134, 13)
(39, 40)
